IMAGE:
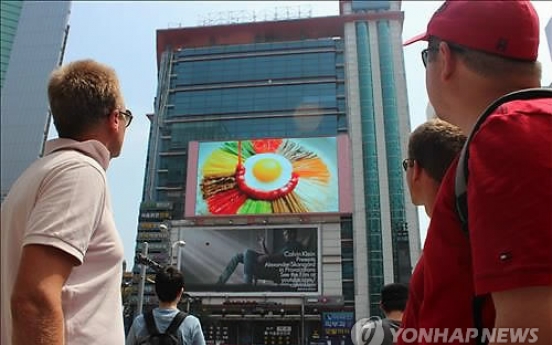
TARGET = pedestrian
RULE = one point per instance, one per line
(61, 253)
(392, 304)
(167, 320)
(432, 147)
(477, 52)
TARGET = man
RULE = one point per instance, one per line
(253, 261)
(431, 149)
(61, 253)
(393, 302)
(169, 287)
(477, 52)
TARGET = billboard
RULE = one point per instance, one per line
(251, 260)
(267, 176)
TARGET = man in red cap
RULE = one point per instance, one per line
(477, 52)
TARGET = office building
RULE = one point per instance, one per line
(33, 41)
(282, 134)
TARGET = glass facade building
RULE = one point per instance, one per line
(9, 15)
(338, 77)
(28, 27)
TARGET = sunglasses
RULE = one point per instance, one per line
(128, 116)
(407, 163)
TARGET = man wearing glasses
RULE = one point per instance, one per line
(61, 254)
(477, 52)
(431, 149)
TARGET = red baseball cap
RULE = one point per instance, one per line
(508, 28)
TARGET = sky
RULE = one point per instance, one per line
(122, 34)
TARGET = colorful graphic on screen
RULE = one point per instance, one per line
(267, 176)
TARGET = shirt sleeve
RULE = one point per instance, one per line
(198, 338)
(68, 208)
(131, 336)
(510, 203)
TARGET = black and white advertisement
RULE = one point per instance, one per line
(251, 260)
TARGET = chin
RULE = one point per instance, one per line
(114, 153)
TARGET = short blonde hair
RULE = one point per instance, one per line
(81, 94)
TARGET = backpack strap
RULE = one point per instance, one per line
(150, 323)
(462, 172)
(176, 322)
(461, 183)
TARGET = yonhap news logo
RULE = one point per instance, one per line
(372, 331)
(368, 331)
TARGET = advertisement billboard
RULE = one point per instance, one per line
(267, 176)
(282, 259)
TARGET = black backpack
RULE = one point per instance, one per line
(170, 337)
(462, 173)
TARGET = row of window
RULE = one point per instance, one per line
(373, 215)
(254, 99)
(255, 68)
(258, 47)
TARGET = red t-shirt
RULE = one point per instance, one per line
(510, 221)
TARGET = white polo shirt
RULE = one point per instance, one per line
(62, 200)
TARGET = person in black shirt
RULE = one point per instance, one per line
(254, 261)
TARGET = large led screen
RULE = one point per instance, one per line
(267, 176)
(251, 260)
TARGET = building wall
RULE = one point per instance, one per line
(379, 120)
(9, 15)
(262, 90)
(351, 83)
(36, 50)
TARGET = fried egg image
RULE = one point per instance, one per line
(267, 171)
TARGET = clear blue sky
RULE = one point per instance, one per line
(122, 35)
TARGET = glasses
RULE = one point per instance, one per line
(407, 163)
(453, 47)
(425, 55)
(128, 116)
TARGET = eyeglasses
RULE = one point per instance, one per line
(128, 116)
(425, 54)
(407, 163)
(453, 47)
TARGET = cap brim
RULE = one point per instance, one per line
(421, 37)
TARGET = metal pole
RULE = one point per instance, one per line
(143, 269)
(303, 340)
(180, 244)
(178, 259)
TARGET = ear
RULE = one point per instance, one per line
(448, 61)
(114, 120)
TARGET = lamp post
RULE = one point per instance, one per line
(143, 269)
(180, 245)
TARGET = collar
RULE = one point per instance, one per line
(91, 148)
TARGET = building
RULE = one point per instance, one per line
(282, 134)
(33, 41)
(548, 31)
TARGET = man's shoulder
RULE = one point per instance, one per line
(516, 113)
(535, 105)
(391, 324)
(190, 321)
(74, 158)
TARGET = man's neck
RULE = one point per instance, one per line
(395, 315)
(168, 305)
(431, 190)
(483, 93)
